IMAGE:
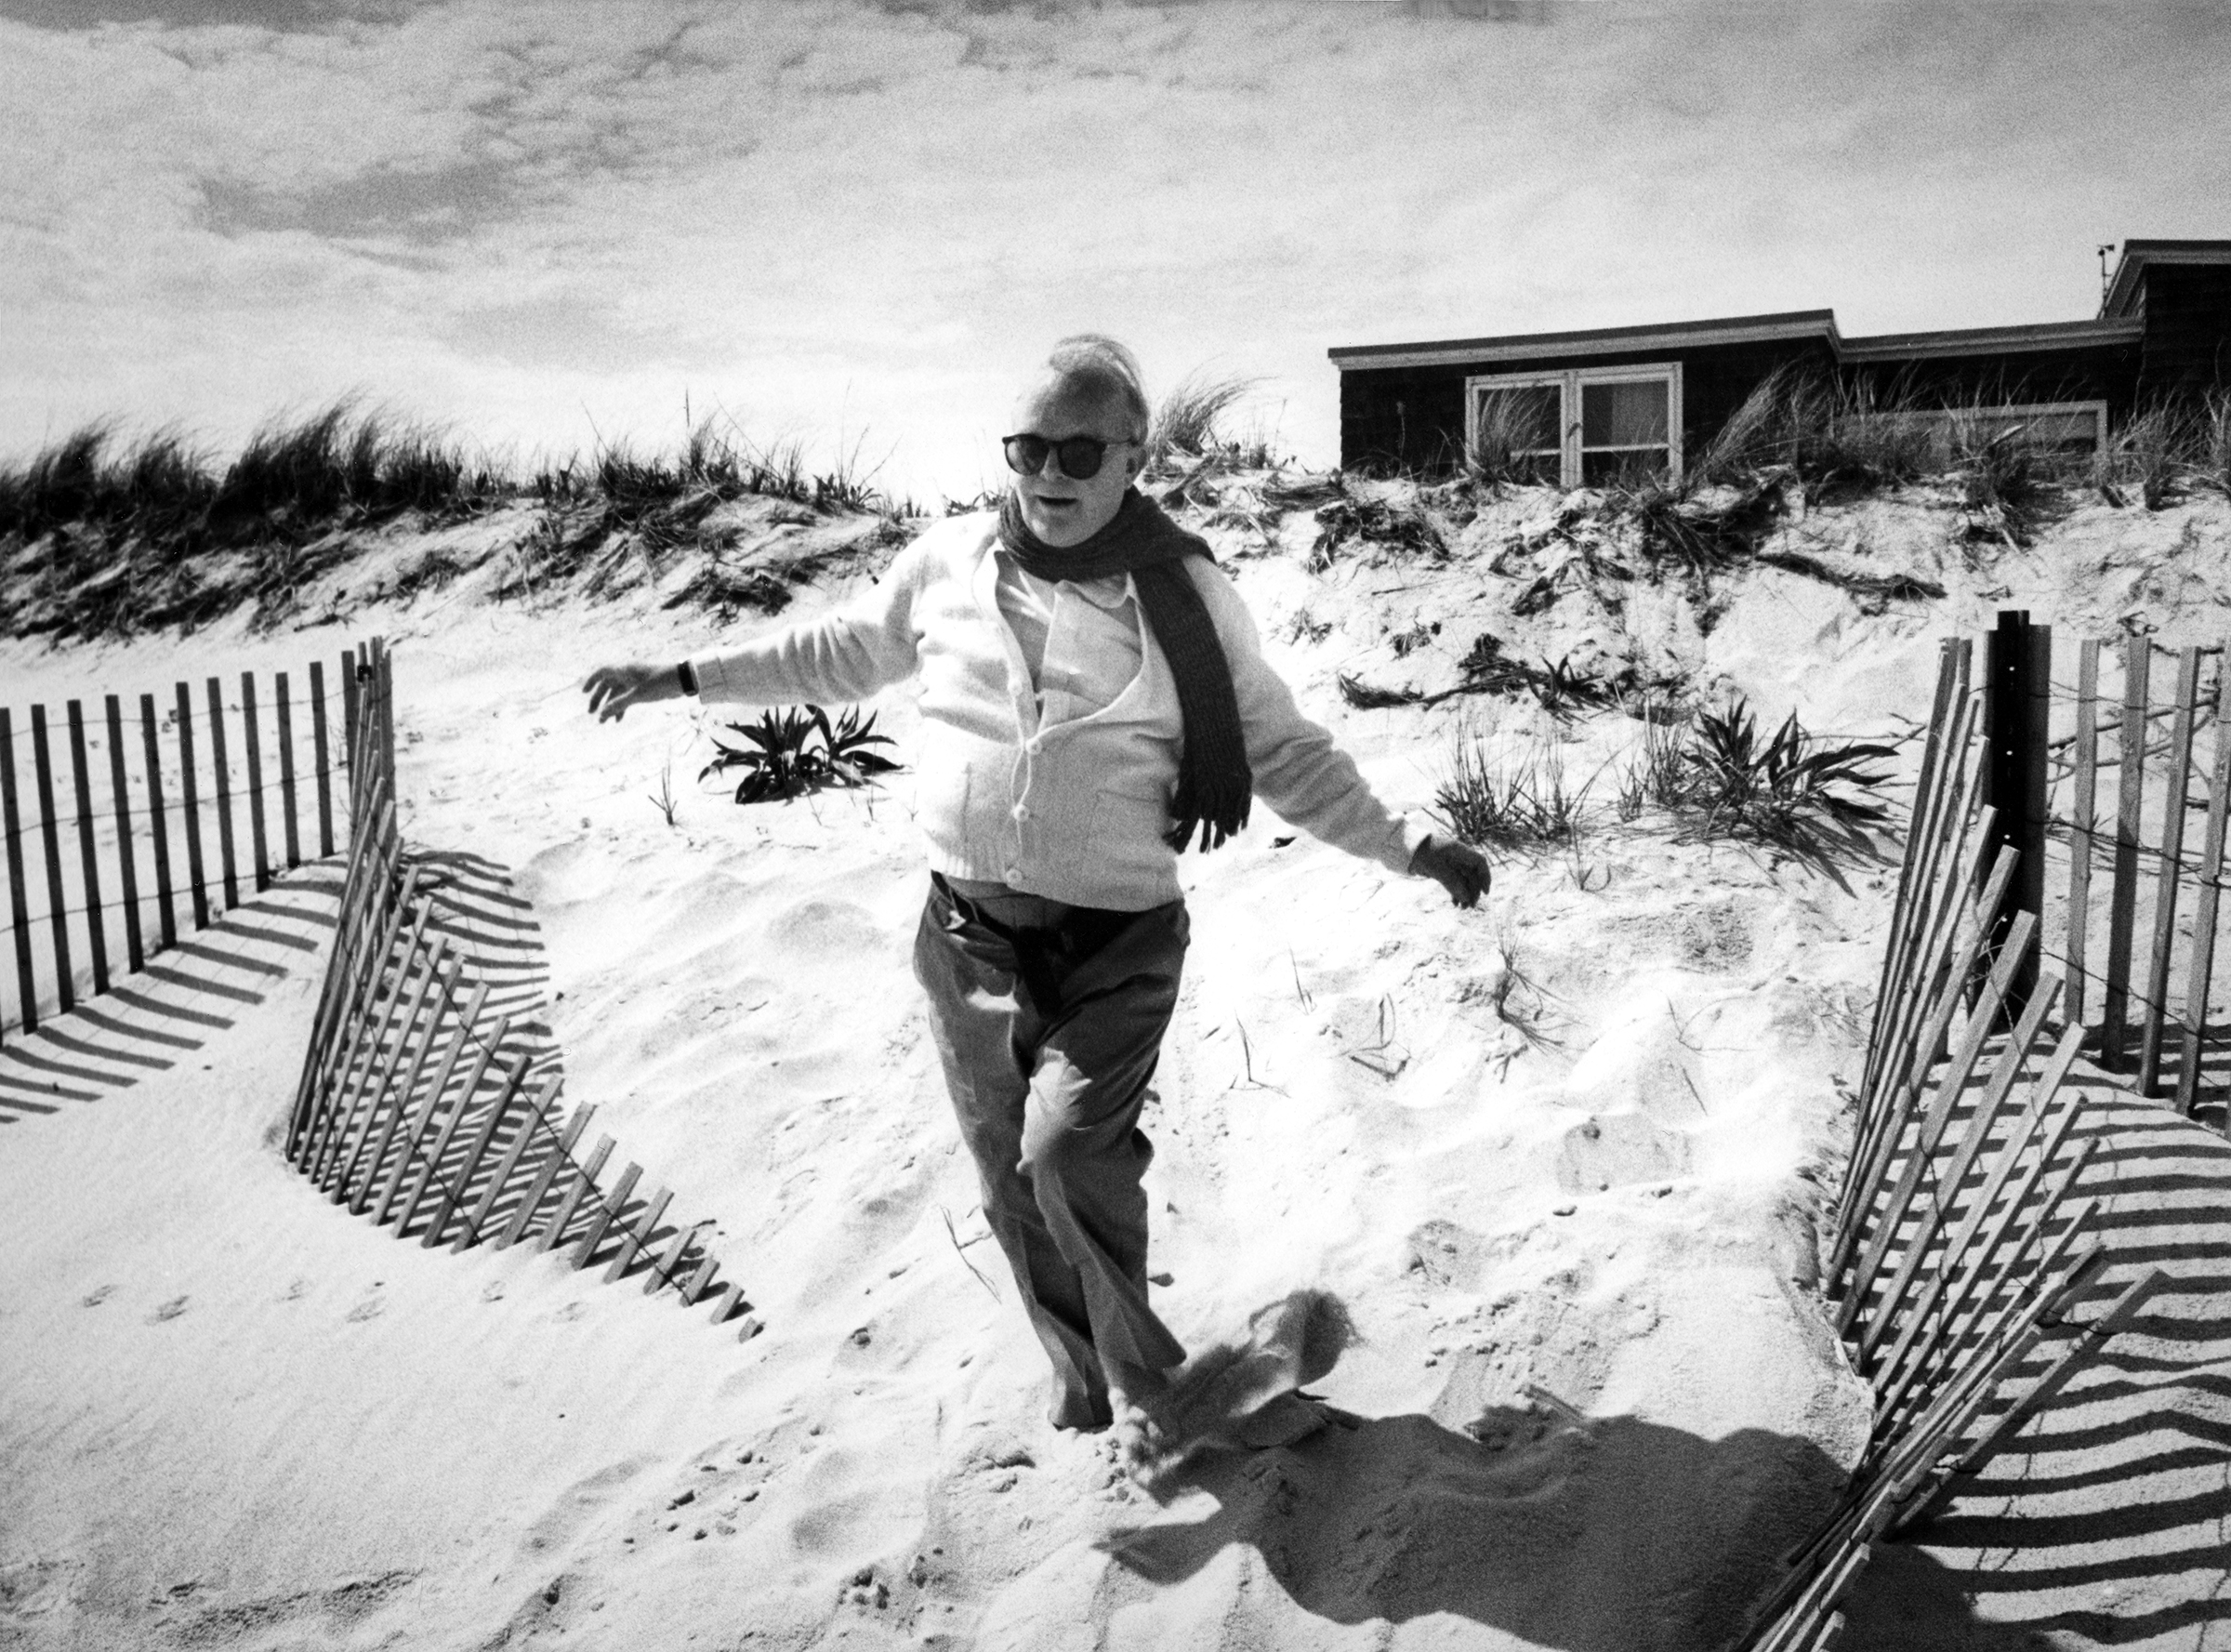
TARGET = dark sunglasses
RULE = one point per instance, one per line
(1080, 457)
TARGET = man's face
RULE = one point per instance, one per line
(1061, 509)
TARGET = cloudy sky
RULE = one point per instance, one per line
(853, 222)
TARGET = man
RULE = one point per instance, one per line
(1094, 699)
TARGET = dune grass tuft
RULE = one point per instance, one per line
(1494, 798)
(106, 538)
(1188, 426)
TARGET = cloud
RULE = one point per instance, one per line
(828, 214)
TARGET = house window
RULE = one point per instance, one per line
(1587, 426)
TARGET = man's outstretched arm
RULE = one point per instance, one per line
(1301, 771)
(848, 654)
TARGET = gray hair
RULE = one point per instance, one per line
(1106, 366)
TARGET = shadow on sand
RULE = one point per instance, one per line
(1611, 1534)
(189, 994)
(2103, 1520)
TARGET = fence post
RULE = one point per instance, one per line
(2179, 779)
(126, 867)
(221, 771)
(350, 757)
(58, 905)
(158, 823)
(252, 736)
(2084, 818)
(190, 807)
(19, 904)
(320, 757)
(2122, 912)
(2017, 682)
(95, 933)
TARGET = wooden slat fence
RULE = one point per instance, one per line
(1962, 1242)
(420, 1105)
(112, 814)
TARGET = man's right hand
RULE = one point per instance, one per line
(1458, 867)
(612, 689)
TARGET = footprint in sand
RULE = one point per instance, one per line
(93, 1299)
(493, 1292)
(371, 1308)
(169, 1310)
(296, 1291)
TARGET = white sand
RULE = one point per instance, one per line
(337, 1440)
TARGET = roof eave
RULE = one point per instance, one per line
(1793, 324)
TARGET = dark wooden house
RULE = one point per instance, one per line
(1589, 407)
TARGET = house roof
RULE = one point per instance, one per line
(1963, 342)
(2122, 292)
(1742, 329)
(1733, 329)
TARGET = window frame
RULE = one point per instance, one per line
(1559, 381)
(1568, 382)
(1948, 417)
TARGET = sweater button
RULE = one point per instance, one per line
(1035, 744)
(1022, 811)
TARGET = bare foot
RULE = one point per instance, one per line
(1144, 1447)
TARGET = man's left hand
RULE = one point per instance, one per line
(1458, 867)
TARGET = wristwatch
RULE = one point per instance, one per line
(687, 676)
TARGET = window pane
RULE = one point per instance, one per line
(1623, 415)
(1622, 467)
(1521, 420)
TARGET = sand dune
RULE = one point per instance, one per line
(1572, 1140)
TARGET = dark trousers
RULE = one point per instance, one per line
(1050, 1021)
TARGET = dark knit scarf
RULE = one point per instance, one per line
(1215, 785)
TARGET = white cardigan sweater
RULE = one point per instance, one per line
(1074, 809)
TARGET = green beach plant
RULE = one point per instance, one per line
(789, 753)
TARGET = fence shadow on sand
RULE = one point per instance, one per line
(2116, 1493)
(188, 995)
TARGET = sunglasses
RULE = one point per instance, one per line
(1080, 457)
